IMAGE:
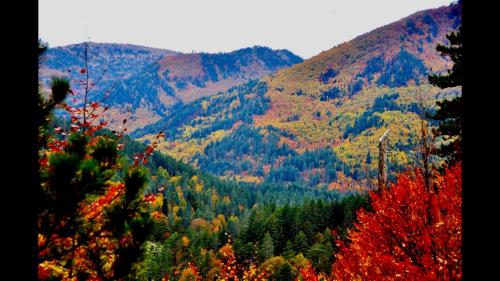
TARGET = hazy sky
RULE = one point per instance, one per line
(304, 27)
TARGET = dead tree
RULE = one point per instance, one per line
(382, 158)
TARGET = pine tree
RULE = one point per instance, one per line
(266, 248)
(276, 232)
(449, 113)
(92, 214)
(300, 243)
(321, 256)
(288, 252)
(284, 273)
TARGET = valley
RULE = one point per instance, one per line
(254, 164)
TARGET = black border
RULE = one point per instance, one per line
(19, 180)
(478, 141)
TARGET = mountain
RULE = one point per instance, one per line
(145, 84)
(196, 75)
(108, 65)
(318, 122)
(107, 60)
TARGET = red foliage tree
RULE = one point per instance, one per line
(309, 274)
(229, 267)
(413, 233)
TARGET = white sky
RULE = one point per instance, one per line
(304, 27)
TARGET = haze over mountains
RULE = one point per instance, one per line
(147, 83)
(315, 121)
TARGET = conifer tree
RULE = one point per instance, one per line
(449, 113)
(92, 214)
(300, 242)
(267, 247)
(284, 273)
(288, 252)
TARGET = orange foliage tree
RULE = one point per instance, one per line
(228, 269)
(190, 273)
(253, 273)
(413, 233)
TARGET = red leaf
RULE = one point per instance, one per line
(149, 198)
(74, 128)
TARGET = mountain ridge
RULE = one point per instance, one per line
(143, 84)
(342, 99)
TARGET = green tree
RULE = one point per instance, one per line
(288, 252)
(284, 273)
(449, 113)
(266, 250)
(154, 262)
(232, 227)
(92, 216)
(244, 252)
(300, 243)
(321, 256)
(276, 231)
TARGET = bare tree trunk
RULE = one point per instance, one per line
(86, 87)
(426, 143)
(382, 158)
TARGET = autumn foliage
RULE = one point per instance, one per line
(91, 221)
(413, 233)
(253, 273)
(229, 268)
(92, 214)
(308, 273)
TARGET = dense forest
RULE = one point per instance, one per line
(111, 207)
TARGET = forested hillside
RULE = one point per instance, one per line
(318, 122)
(144, 84)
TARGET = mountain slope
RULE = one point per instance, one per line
(196, 75)
(144, 84)
(115, 60)
(318, 122)
(108, 64)
(180, 79)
